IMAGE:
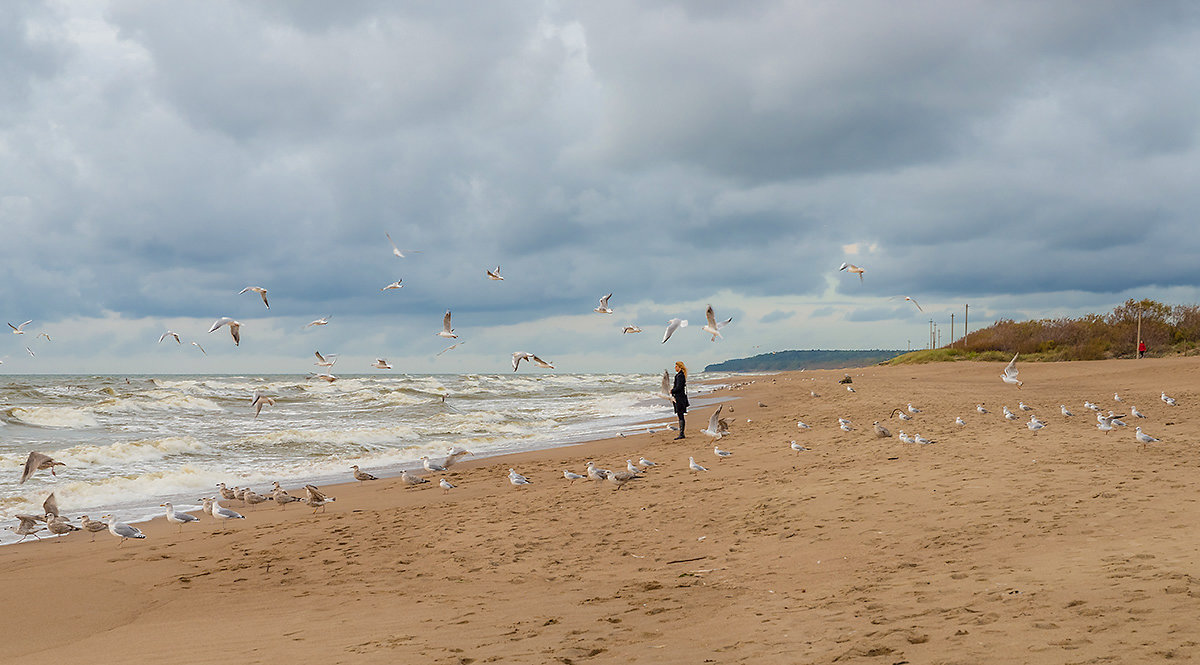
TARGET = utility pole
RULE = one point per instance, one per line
(939, 336)
(951, 328)
(966, 323)
(931, 333)
(1139, 334)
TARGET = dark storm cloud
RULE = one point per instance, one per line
(157, 158)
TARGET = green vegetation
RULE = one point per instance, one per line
(780, 361)
(1166, 329)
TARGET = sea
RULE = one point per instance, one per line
(132, 442)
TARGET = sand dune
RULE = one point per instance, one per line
(994, 544)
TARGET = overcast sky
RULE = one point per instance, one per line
(1031, 159)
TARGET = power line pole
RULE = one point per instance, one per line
(966, 328)
(951, 328)
(931, 333)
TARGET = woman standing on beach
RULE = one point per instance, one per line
(679, 392)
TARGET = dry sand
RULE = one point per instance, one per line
(995, 544)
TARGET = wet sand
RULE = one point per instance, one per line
(994, 544)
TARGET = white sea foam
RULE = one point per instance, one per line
(54, 416)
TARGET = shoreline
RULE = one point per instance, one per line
(995, 544)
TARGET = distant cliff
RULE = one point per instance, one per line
(778, 361)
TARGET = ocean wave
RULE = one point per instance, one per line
(68, 417)
(162, 401)
(124, 452)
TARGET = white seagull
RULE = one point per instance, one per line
(381, 363)
(960, 421)
(20, 330)
(495, 275)
(235, 328)
(1065, 412)
(1117, 397)
(672, 326)
(518, 356)
(1010, 373)
(979, 408)
(802, 425)
(517, 479)
(1170, 401)
(446, 330)
(645, 462)
(721, 453)
(798, 448)
(122, 531)
(853, 269)
(323, 321)
(714, 424)
(571, 476)
(169, 333)
(445, 485)
(630, 329)
(1136, 413)
(913, 409)
(604, 308)
(713, 327)
(260, 401)
(1144, 438)
(1024, 406)
(197, 345)
(393, 286)
(325, 361)
(693, 466)
(396, 250)
(260, 291)
(178, 518)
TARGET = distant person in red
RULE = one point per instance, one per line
(1141, 349)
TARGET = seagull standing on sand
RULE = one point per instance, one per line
(722, 454)
(361, 475)
(959, 421)
(430, 465)
(604, 308)
(672, 326)
(411, 479)
(802, 425)
(621, 477)
(571, 476)
(1144, 438)
(38, 462)
(645, 462)
(214, 508)
(1136, 413)
(446, 330)
(316, 498)
(693, 466)
(260, 291)
(1093, 407)
(122, 531)
(881, 431)
(1065, 412)
(596, 473)
(979, 408)
(1009, 414)
(1010, 373)
(798, 448)
(445, 485)
(235, 328)
(517, 479)
(1169, 401)
(1117, 397)
(1024, 407)
(713, 327)
(280, 496)
(178, 518)
(93, 526)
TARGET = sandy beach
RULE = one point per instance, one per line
(994, 544)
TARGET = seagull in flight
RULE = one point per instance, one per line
(914, 302)
(325, 361)
(494, 275)
(197, 345)
(381, 363)
(1010, 373)
(851, 268)
(714, 424)
(518, 356)
(396, 250)
(234, 328)
(37, 462)
(630, 329)
(713, 327)
(446, 330)
(260, 291)
(323, 321)
(260, 401)
(604, 308)
(169, 333)
(393, 286)
(448, 348)
(672, 326)
(20, 330)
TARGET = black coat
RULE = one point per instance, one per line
(679, 392)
